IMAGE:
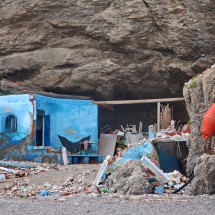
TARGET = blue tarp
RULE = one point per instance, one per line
(135, 153)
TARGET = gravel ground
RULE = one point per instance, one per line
(103, 205)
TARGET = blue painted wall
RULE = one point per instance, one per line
(21, 107)
(73, 119)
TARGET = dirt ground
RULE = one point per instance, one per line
(64, 180)
(92, 203)
(58, 177)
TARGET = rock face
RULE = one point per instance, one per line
(108, 49)
(199, 94)
(205, 173)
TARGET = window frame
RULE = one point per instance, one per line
(10, 123)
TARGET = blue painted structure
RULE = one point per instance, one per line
(168, 161)
(136, 153)
(31, 123)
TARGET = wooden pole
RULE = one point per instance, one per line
(142, 101)
(158, 115)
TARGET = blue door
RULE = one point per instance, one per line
(47, 130)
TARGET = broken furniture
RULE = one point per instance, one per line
(107, 144)
(76, 152)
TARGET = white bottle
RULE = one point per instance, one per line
(172, 124)
(64, 156)
(101, 171)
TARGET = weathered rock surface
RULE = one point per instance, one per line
(129, 179)
(205, 173)
(109, 49)
(199, 94)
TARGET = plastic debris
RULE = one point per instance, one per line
(160, 175)
(44, 193)
(101, 171)
(104, 190)
(159, 190)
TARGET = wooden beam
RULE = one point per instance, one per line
(142, 101)
(158, 115)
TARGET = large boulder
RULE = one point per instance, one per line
(205, 174)
(199, 95)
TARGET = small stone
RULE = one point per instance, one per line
(62, 200)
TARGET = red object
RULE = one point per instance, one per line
(208, 123)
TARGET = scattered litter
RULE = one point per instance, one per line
(44, 193)
(12, 164)
(133, 170)
(159, 190)
(104, 190)
(2, 177)
(160, 175)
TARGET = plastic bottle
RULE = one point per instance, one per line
(64, 155)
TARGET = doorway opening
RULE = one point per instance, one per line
(42, 129)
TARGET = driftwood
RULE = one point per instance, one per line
(165, 116)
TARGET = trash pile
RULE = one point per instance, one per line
(179, 133)
(16, 170)
(134, 168)
(129, 144)
(135, 153)
(129, 179)
(39, 180)
(176, 180)
(133, 178)
(126, 137)
(24, 189)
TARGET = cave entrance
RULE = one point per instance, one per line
(123, 112)
(144, 101)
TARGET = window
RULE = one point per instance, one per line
(10, 123)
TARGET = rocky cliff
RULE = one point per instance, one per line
(108, 49)
(199, 94)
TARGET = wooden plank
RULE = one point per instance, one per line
(55, 95)
(158, 115)
(141, 101)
